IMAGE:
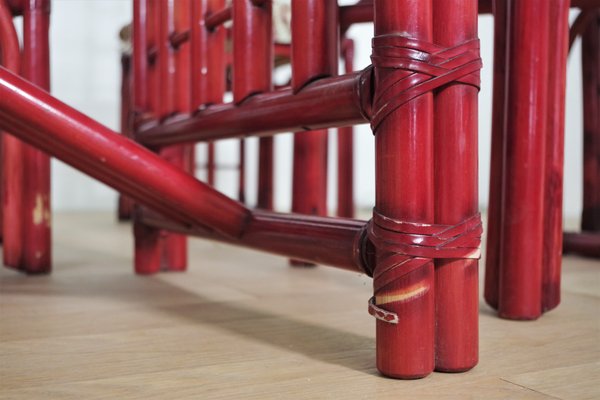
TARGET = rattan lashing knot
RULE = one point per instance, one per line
(405, 68)
(403, 247)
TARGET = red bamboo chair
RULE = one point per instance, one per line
(420, 96)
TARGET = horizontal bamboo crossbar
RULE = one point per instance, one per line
(193, 207)
(324, 240)
(325, 103)
(220, 17)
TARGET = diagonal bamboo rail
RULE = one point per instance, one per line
(36, 117)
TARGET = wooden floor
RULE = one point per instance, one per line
(241, 324)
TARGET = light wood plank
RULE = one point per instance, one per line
(242, 324)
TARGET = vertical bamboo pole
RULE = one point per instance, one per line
(242, 172)
(10, 57)
(252, 65)
(27, 206)
(455, 123)
(404, 190)
(147, 243)
(210, 163)
(174, 246)
(183, 75)
(125, 205)
(37, 211)
(314, 55)
(345, 145)
(553, 206)
(521, 251)
(590, 62)
(495, 215)
(11, 153)
(208, 72)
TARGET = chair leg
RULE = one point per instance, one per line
(455, 125)
(404, 190)
(265, 173)
(345, 144)
(522, 232)
(27, 213)
(553, 206)
(495, 208)
(590, 60)
(314, 55)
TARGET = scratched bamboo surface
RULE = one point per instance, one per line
(241, 324)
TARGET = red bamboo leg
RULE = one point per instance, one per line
(10, 58)
(242, 173)
(125, 205)
(346, 149)
(455, 122)
(553, 206)
(520, 284)
(590, 60)
(265, 173)
(37, 218)
(495, 208)
(404, 191)
(174, 97)
(210, 163)
(314, 55)
(28, 247)
(208, 66)
(252, 64)
(148, 249)
(345, 172)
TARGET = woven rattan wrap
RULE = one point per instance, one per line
(405, 69)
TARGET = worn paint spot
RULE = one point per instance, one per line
(41, 212)
(409, 293)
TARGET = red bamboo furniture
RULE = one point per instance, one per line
(525, 236)
(26, 170)
(587, 242)
(419, 95)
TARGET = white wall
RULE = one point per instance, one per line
(85, 74)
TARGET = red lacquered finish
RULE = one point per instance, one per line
(252, 35)
(455, 124)
(495, 208)
(148, 246)
(328, 102)
(584, 243)
(58, 129)
(9, 58)
(419, 95)
(125, 205)
(404, 190)
(27, 170)
(554, 163)
(314, 55)
(521, 269)
(313, 239)
(207, 72)
(590, 60)
(345, 144)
